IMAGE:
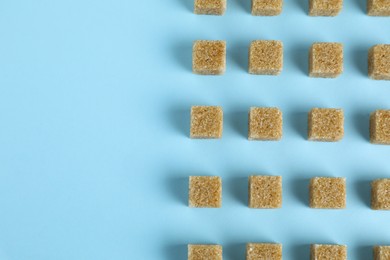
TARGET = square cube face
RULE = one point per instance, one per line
(327, 193)
(379, 61)
(263, 251)
(380, 194)
(326, 124)
(380, 127)
(378, 7)
(265, 192)
(267, 7)
(266, 57)
(326, 60)
(265, 123)
(206, 122)
(381, 252)
(324, 252)
(325, 7)
(211, 7)
(209, 57)
(205, 192)
(204, 252)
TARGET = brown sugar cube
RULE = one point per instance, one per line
(265, 123)
(327, 193)
(265, 192)
(326, 60)
(325, 252)
(380, 127)
(267, 7)
(378, 7)
(211, 7)
(209, 57)
(263, 251)
(204, 252)
(326, 124)
(325, 7)
(266, 57)
(379, 61)
(206, 122)
(380, 194)
(381, 252)
(205, 192)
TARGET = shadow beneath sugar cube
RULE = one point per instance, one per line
(183, 55)
(362, 5)
(245, 5)
(300, 252)
(364, 252)
(180, 120)
(234, 251)
(300, 189)
(298, 122)
(239, 55)
(300, 58)
(176, 252)
(178, 187)
(361, 122)
(363, 191)
(238, 188)
(304, 5)
(360, 60)
(187, 4)
(238, 121)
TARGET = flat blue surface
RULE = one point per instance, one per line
(94, 148)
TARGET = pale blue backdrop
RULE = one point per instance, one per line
(94, 113)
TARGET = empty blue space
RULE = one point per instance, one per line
(95, 153)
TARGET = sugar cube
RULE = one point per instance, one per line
(205, 192)
(380, 194)
(379, 62)
(204, 252)
(326, 60)
(206, 122)
(210, 7)
(263, 251)
(266, 57)
(209, 57)
(265, 123)
(325, 252)
(326, 124)
(380, 127)
(327, 193)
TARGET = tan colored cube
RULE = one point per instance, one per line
(379, 61)
(204, 252)
(326, 124)
(263, 251)
(325, 7)
(206, 122)
(378, 7)
(328, 252)
(210, 7)
(209, 57)
(381, 252)
(327, 193)
(205, 192)
(267, 7)
(265, 192)
(380, 194)
(265, 123)
(380, 127)
(326, 60)
(266, 57)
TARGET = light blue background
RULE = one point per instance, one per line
(94, 148)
